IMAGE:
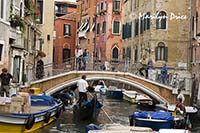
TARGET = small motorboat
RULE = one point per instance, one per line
(155, 120)
(114, 93)
(191, 111)
(143, 99)
(135, 97)
(130, 96)
(89, 110)
(116, 128)
(24, 113)
(173, 131)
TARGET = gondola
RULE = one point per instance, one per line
(89, 110)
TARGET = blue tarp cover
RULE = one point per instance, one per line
(154, 115)
(89, 103)
(42, 100)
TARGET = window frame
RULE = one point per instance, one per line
(65, 33)
(161, 24)
(116, 5)
(161, 52)
(118, 27)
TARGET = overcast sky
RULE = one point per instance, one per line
(67, 0)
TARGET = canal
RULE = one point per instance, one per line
(118, 112)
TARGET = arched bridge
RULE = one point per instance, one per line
(157, 91)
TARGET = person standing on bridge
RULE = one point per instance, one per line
(82, 85)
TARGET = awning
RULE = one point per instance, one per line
(93, 25)
(80, 26)
(83, 26)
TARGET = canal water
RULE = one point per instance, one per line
(114, 111)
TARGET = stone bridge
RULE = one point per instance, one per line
(159, 92)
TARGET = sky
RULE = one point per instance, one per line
(68, 0)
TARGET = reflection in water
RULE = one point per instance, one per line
(118, 111)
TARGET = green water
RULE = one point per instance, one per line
(118, 112)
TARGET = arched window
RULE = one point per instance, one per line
(115, 54)
(66, 55)
(161, 52)
(21, 8)
(161, 20)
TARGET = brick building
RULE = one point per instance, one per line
(64, 43)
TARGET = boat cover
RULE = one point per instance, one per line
(89, 103)
(154, 115)
(92, 127)
(42, 100)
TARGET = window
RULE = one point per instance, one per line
(40, 11)
(146, 21)
(116, 5)
(135, 54)
(21, 9)
(98, 28)
(161, 21)
(66, 55)
(102, 6)
(161, 52)
(141, 25)
(115, 54)
(1, 51)
(2, 9)
(67, 30)
(104, 27)
(116, 25)
(136, 27)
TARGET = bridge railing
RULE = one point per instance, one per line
(71, 64)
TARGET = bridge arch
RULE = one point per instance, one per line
(157, 91)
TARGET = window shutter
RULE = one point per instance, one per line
(123, 32)
(148, 21)
(69, 30)
(166, 54)
(130, 30)
(157, 23)
(156, 53)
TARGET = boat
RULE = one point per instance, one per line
(135, 97)
(116, 128)
(89, 110)
(24, 113)
(130, 96)
(173, 131)
(156, 120)
(191, 111)
(114, 93)
(172, 107)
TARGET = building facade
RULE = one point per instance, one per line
(108, 31)
(160, 31)
(64, 44)
(85, 26)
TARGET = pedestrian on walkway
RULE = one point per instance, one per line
(85, 59)
(82, 88)
(163, 74)
(143, 69)
(150, 69)
(40, 68)
(6, 79)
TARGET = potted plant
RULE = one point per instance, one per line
(16, 20)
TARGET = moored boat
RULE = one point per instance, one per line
(130, 96)
(22, 117)
(114, 93)
(116, 128)
(155, 120)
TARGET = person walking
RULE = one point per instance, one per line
(82, 88)
(6, 79)
(40, 68)
(163, 74)
(85, 59)
(144, 62)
